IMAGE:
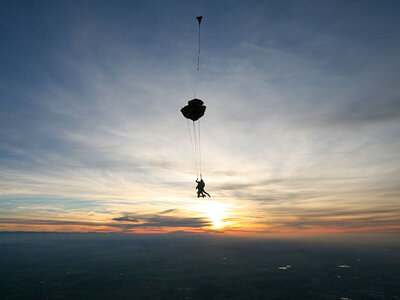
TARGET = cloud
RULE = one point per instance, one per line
(21, 221)
(159, 220)
(364, 112)
(127, 219)
(353, 223)
(371, 110)
(169, 211)
(349, 218)
(300, 110)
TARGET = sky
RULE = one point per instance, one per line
(301, 133)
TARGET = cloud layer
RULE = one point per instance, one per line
(303, 106)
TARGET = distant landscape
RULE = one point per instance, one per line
(110, 266)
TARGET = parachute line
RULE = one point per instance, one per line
(193, 147)
(196, 150)
(201, 175)
(195, 143)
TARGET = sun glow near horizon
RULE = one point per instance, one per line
(216, 212)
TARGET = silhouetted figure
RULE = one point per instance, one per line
(200, 189)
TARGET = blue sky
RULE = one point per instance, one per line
(301, 131)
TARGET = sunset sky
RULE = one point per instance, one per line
(301, 133)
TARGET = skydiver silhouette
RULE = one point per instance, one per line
(200, 188)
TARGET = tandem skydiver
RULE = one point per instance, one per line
(200, 188)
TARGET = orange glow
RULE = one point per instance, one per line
(218, 213)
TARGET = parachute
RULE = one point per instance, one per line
(193, 111)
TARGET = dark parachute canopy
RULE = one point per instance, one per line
(194, 110)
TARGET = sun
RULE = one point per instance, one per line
(216, 212)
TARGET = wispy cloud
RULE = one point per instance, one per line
(131, 221)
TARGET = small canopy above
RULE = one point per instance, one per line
(194, 110)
